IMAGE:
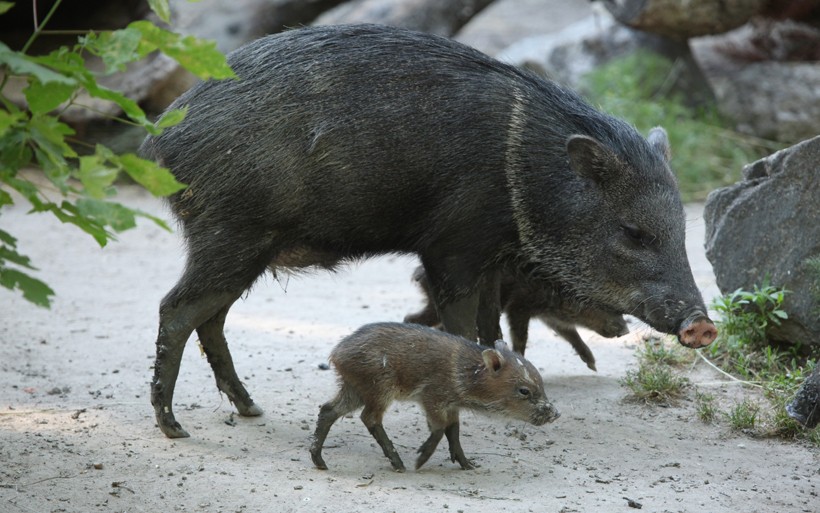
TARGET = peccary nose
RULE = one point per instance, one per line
(545, 415)
(697, 331)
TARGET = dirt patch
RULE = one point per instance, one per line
(77, 432)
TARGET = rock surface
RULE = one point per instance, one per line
(441, 17)
(682, 19)
(767, 226)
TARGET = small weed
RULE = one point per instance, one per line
(660, 351)
(744, 415)
(742, 346)
(655, 383)
(706, 408)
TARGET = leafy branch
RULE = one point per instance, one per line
(34, 136)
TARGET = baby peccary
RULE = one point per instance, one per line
(521, 302)
(384, 362)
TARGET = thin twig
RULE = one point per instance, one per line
(726, 373)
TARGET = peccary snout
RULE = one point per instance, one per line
(697, 331)
(546, 413)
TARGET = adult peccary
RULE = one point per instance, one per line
(381, 363)
(522, 301)
(343, 142)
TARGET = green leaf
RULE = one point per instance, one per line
(21, 64)
(33, 289)
(5, 6)
(8, 254)
(43, 98)
(9, 119)
(116, 47)
(96, 176)
(162, 9)
(157, 180)
(172, 117)
(107, 213)
(198, 56)
(7, 238)
(129, 106)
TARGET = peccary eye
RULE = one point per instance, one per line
(524, 392)
(636, 235)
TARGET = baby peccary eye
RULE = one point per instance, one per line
(524, 392)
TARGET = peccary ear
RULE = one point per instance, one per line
(660, 142)
(493, 359)
(591, 159)
(501, 345)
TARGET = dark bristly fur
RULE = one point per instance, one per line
(522, 301)
(344, 142)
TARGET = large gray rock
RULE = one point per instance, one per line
(505, 22)
(441, 17)
(768, 225)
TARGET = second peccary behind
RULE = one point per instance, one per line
(444, 373)
(338, 143)
(522, 301)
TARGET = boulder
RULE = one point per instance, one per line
(682, 19)
(569, 54)
(505, 22)
(805, 407)
(766, 227)
(442, 17)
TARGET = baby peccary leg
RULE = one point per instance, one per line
(456, 452)
(345, 402)
(377, 430)
(439, 427)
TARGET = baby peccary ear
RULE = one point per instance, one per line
(493, 359)
(501, 345)
(659, 141)
(591, 159)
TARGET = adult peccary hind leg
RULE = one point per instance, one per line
(212, 337)
(178, 319)
(196, 303)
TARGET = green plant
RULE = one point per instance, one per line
(706, 408)
(654, 383)
(744, 415)
(660, 351)
(742, 346)
(707, 153)
(78, 190)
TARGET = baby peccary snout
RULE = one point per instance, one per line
(380, 363)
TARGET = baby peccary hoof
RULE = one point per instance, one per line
(456, 452)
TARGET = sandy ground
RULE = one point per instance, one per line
(77, 432)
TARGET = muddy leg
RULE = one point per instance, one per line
(178, 319)
(519, 321)
(488, 315)
(212, 338)
(372, 418)
(427, 316)
(429, 447)
(456, 452)
(345, 402)
(570, 334)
